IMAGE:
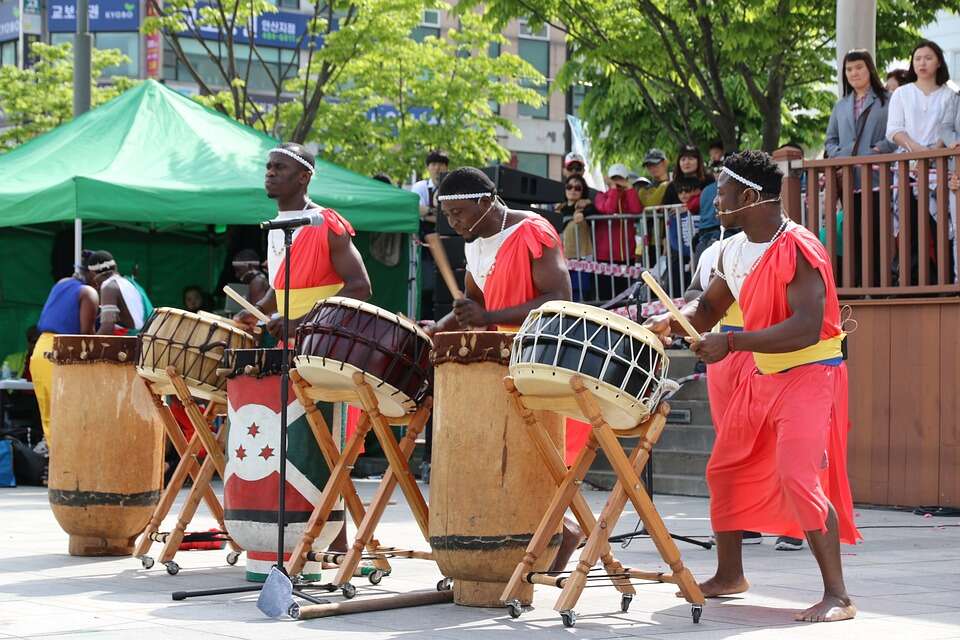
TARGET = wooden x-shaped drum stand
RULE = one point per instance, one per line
(340, 483)
(202, 474)
(582, 401)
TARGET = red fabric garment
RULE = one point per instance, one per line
(723, 378)
(763, 297)
(780, 455)
(693, 204)
(510, 283)
(310, 264)
(781, 451)
(610, 243)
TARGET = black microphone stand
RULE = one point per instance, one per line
(282, 506)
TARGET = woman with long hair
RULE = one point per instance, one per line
(689, 166)
(577, 239)
(858, 127)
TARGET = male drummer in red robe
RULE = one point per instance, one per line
(323, 260)
(779, 462)
(515, 264)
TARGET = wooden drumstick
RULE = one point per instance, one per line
(443, 265)
(246, 304)
(672, 308)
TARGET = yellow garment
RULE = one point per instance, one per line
(776, 362)
(652, 196)
(41, 370)
(302, 300)
(733, 317)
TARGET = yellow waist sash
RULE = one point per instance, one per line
(776, 362)
(732, 318)
(302, 300)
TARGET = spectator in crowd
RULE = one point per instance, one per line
(655, 162)
(680, 234)
(577, 239)
(573, 165)
(858, 127)
(896, 79)
(615, 241)
(913, 122)
(717, 155)
(437, 164)
(708, 227)
(689, 165)
(194, 299)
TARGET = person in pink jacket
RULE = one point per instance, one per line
(615, 241)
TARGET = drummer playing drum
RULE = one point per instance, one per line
(323, 260)
(515, 264)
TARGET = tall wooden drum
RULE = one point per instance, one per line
(488, 486)
(251, 486)
(106, 449)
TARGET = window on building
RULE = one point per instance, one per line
(286, 4)
(494, 52)
(60, 38)
(537, 53)
(429, 26)
(276, 60)
(579, 92)
(8, 53)
(536, 163)
(128, 44)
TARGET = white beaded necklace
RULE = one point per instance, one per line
(741, 275)
(279, 248)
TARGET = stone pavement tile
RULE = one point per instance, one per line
(28, 618)
(152, 632)
(950, 599)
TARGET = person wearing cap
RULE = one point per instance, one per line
(71, 307)
(573, 165)
(655, 162)
(615, 241)
(323, 260)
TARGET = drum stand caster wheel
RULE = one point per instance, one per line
(514, 608)
(445, 585)
(348, 591)
(294, 611)
(625, 601)
(172, 567)
(232, 557)
(375, 576)
(146, 562)
(569, 618)
(696, 610)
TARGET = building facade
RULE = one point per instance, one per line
(116, 24)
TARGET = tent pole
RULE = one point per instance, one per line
(77, 242)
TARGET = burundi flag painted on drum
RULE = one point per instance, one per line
(252, 482)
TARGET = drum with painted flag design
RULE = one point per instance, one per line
(252, 482)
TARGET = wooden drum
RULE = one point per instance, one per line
(488, 485)
(191, 343)
(106, 449)
(251, 485)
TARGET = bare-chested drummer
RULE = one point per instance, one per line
(515, 264)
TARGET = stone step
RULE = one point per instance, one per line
(682, 362)
(663, 484)
(686, 437)
(692, 390)
(684, 412)
(680, 463)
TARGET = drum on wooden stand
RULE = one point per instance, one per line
(623, 364)
(193, 344)
(252, 480)
(488, 486)
(342, 336)
(106, 449)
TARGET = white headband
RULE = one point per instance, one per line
(739, 178)
(102, 266)
(463, 196)
(287, 152)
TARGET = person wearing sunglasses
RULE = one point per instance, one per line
(577, 241)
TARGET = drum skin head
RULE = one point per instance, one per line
(334, 375)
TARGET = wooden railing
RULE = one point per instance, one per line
(872, 257)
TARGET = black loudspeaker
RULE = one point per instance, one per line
(522, 188)
(441, 296)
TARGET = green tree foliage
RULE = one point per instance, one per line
(40, 98)
(751, 73)
(438, 91)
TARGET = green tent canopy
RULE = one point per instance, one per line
(154, 156)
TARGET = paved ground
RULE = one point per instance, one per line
(905, 578)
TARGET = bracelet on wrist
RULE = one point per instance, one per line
(730, 347)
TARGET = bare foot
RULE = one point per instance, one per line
(830, 609)
(716, 587)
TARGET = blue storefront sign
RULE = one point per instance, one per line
(9, 21)
(105, 15)
(277, 29)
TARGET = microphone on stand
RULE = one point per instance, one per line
(309, 220)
